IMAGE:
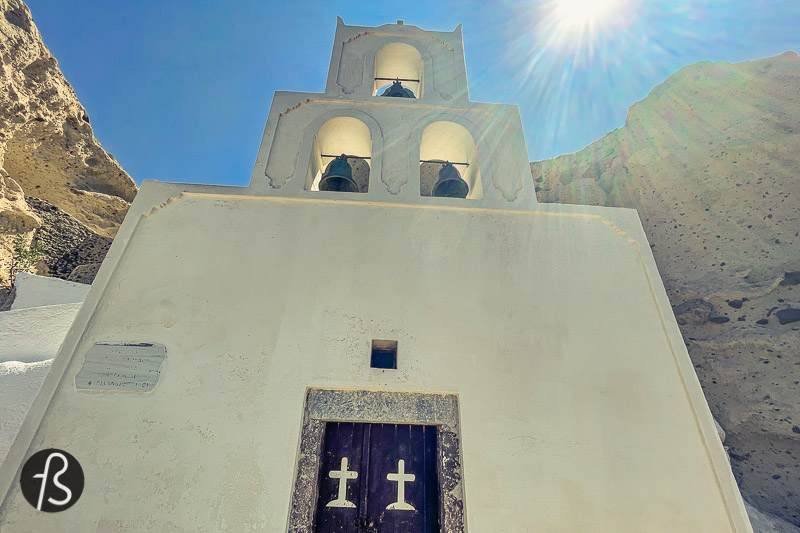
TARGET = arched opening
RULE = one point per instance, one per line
(401, 62)
(341, 136)
(443, 142)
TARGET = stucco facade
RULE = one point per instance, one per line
(546, 326)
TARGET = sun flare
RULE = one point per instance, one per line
(582, 27)
(582, 14)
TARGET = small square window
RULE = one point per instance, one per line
(384, 354)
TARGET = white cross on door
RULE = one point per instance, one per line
(342, 475)
(401, 478)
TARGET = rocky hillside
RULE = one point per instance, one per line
(711, 161)
(48, 151)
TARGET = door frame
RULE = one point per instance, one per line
(379, 407)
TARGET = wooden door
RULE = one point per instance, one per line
(378, 478)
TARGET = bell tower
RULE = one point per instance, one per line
(395, 124)
(366, 60)
(383, 332)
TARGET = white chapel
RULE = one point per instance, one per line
(383, 332)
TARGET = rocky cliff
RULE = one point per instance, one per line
(711, 161)
(48, 151)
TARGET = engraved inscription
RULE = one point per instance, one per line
(121, 367)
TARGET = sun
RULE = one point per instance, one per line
(580, 16)
(583, 28)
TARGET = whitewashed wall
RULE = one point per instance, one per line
(580, 410)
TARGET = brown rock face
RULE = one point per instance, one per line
(711, 160)
(15, 215)
(46, 143)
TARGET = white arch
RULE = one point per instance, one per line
(341, 135)
(399, 60)
(449, 141)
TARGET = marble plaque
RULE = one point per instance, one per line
(121, 367)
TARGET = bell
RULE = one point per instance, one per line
(397, 90)
(338, 176)
(450, 184)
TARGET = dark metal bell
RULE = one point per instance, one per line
(397, 90)
(450, 184)
(338, 176)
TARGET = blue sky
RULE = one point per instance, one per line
(180, 90)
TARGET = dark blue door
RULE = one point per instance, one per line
(378, 478)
